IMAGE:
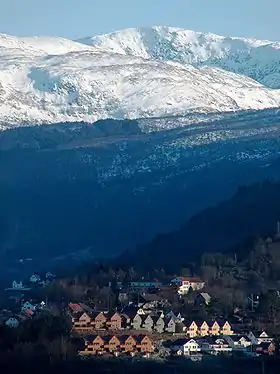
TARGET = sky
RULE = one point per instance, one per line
(79, 18)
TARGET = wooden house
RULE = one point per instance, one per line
(94, 344)
(214, 328)
(145, 344)
(129, 344)
(115, 322)
(114, 344)
(192, 329)
(204, 329)
(82, 322)
(100, 320)
(267, 348)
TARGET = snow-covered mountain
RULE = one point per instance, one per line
(130, 74)
(258, 59)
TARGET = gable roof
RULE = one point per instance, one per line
(151, 297)
(75, 307)
(205, 296)
(190, 279)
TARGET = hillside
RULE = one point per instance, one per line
(230, 225)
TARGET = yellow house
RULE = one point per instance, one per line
(204, 329)
(214, 329)
(192, 329)
(226, 329)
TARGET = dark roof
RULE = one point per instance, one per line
(236, 338)
(264, 345)
(180, 342)
(212, 339)
(90, 338)
(151, 297)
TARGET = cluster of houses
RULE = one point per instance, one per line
(122, 344)
(24, 308)
(85, 320)
(252, 344)
(27, 310)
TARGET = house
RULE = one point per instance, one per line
(175, 316)
(238, 342)
(204, 329)
(192, 329)
(214, 328)
(183, 284)
(150, 301)
(17, 285)
(214, 345)
(170, 325)
(100, 320)
(82, 321)
(49, 276)
(145, 344)
(116, 322)
(114, 344)
(258, 337)
(128, 343)
(28, 306)
(185, 346)
(202, 298)
(35, 278)
(137, 322)
(93, 344)
(225, 328)
(160, 325)
(266, 348)
(144, 284)
(75, 308)
(12, 322)
(149, 322)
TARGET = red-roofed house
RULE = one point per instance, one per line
(184, 284)
(75, 308)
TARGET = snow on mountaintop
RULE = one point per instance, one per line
(47, 80)
(40, 44)
(258, 59)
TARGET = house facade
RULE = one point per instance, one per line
(117, 344)
(185, 347)
(116, 322)
(82, 321)
(215, 345)
(183, 284)
(192, 329)
(12, 322)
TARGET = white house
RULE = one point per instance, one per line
(12, 322)
(238, 342)
(214, 345)
(184, 284)
(185, 346)
(28, 306)
(17, 285)
(50, 275)
(259, 337)
(35, 278)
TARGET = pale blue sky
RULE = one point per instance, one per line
(78, 18)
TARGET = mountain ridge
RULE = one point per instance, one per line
(241, 55)
(59, 80)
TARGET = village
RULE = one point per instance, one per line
(144, 323)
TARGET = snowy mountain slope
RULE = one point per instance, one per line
(258, 59)
(40, 45)
(55, 80)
